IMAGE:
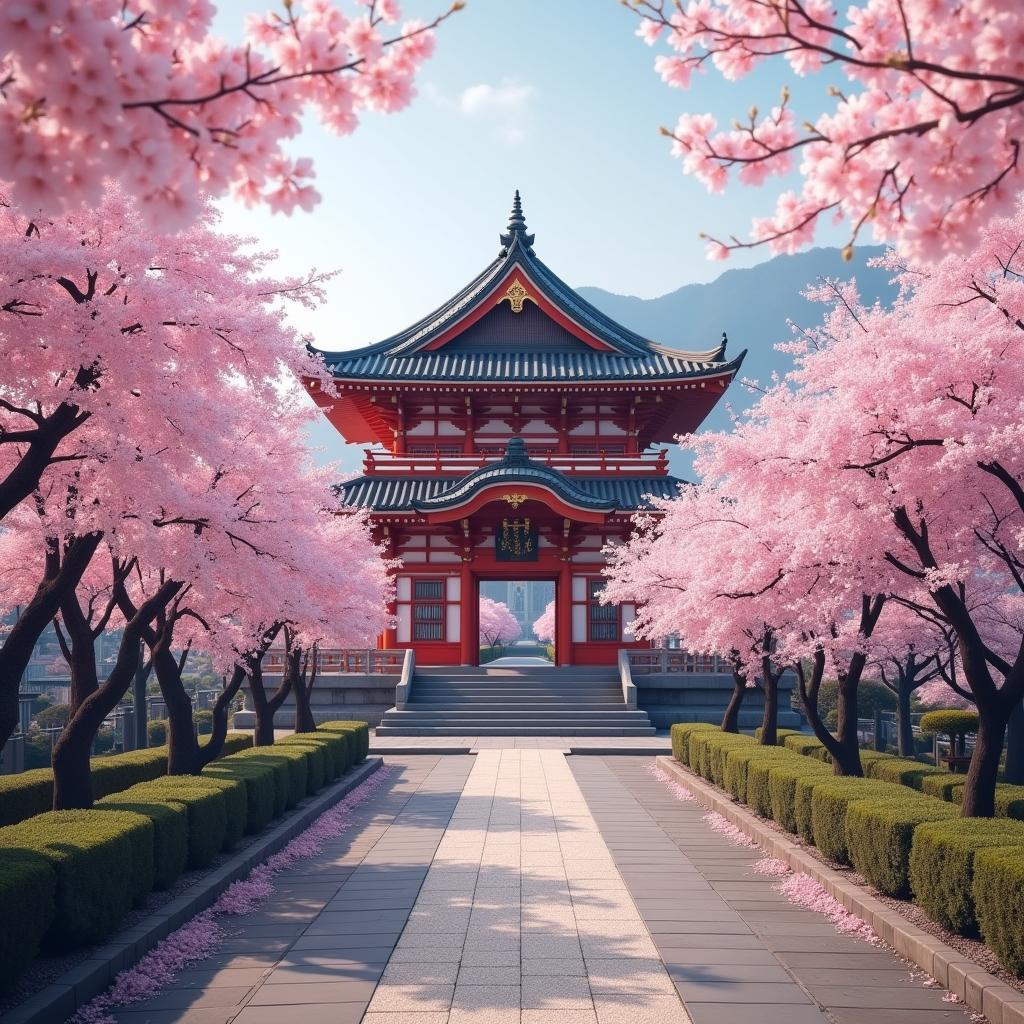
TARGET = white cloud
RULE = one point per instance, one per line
(508, 98)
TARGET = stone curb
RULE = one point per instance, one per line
(980, 990)
(58, 1001)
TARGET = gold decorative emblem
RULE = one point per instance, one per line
(515, 500)
(516, 295)
(516, 542)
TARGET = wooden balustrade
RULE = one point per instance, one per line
(662, 661)
(355, 661)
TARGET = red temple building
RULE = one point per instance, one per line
(513, 433)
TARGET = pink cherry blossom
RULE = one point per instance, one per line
(498, 626)
(544, 627)
(145, 94)
(919, 146)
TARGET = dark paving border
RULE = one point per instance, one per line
(730, 942)
(980, 990)
(58, 1001)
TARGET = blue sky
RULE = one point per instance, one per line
(555, 97)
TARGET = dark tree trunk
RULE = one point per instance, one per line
(770, 721)
(1013, 770)
(905, 729)
(731, 718)
(845, 750)
(211, 750)
(182, 743)
(264, 707)
(980, 784)
(72, 778)
(63, 572)
(302, 688)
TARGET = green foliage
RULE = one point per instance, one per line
(316, 755)
(28, 886)
(170, 833)
(258, 780)
(829, 800)
(737, 766)
(782, 780)
(333, 745)
(716, 746)
(880, 834)
(37, 750)
(297, 760)
(203, 721)
(101, 860)
(759, 775)
(156, 730)
(942, 866)
(808, 746)
(681, 733)
(119, 771)
(360, 732)
(54, 717)
(234, 742)
(25, 795)
(998, 882)
(780, 735)
(1009, 801)
(949, 723)
(236, 810)
(264, 756)
(943, 785)
(903, 771)
(204, 805)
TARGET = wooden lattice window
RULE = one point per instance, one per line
(428, 609)
(603, 619)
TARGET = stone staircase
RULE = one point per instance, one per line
(515, 701)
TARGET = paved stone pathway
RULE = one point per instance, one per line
(519, 886)
(737, 950)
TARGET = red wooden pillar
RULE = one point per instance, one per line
(469, 645)
(563, 616)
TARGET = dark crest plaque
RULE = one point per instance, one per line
(516, 541)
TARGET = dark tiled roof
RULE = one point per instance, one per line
(401, 357)
(400, 494)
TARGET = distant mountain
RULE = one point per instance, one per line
(752, 305)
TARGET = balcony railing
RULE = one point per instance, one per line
(668, 662)
(346, 661)
(459, 465)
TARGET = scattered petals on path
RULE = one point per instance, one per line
(805, 892)
(679, 791)
(724, 827)
(200, 937)
(772, 867)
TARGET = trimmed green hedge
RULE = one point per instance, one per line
(808, 746)
(880, 834)
(170, 833)
(782, 780)
(316, 763)
(738, 761)
(998, 882)
(258, 780)
(830, 799)
(681, 733)
(28, 887)
(360, 733)
(759, 796)
(903, 771)
(942, 866)
(204, 805)
(102, 862)
(31, 793)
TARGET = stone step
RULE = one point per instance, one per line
(584, 717)
(485, 706)
(524, 730)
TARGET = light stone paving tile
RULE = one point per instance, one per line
(521, 887)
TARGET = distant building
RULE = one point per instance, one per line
(514, 432)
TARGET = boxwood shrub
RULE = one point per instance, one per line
(100, 863)
(782, 780)
(170, 833)
(880, 834)
(998, 882)
(901, 770)
(780, 735)
(942, 866)
(808, 746)
(25, 795)
(759, 797)
(28, 886)
(205, 806)
(829, 800)
(360, 733)
(943, 785)
(737, 765)
(258, 780)
(119, 771)
(717, 746)
(316, 759)
(681, 733)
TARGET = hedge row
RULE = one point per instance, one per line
(892, 826)
(31, 793)
(67, 878)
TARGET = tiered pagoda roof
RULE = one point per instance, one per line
(518, 321)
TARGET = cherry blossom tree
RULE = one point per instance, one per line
(498, 626)
(147, 95)
(544, 627)
(921, 143)
(127, 354)
(916, 415)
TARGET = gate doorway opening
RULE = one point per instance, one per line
(517, 622)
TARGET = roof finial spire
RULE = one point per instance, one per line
(516, 231)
